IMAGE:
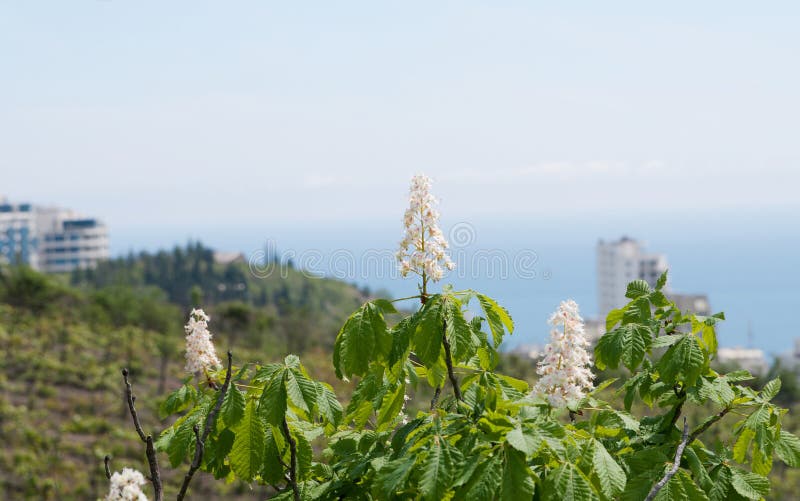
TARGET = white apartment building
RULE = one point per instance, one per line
(18, 235)
(50, 239)
(619, 263)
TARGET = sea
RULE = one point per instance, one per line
(747, 262)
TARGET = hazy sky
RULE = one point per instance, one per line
(163, 114)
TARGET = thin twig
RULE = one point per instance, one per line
(448, 359)
(108, 469)
(293, 455)
(435, 399)
(675, 465)
(702, 428)
(150, 450)
(200, 440)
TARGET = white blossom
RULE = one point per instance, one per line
(564, 370)
(200, 353)
(126, 486)
(403, 416)
(423, 248)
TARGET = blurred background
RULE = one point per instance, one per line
(156, 157)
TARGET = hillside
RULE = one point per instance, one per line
(61, 405)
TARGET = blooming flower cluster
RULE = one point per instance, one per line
(200, 353)
(423, 248)
(126, 486)
(564, 370)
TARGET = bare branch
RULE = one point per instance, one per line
(150, 451)
(108, 469)
(675, 465)
(200, 440)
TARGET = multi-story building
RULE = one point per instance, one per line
(50, 239)
(18, 235)
(619, 263)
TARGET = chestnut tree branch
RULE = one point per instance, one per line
(200, 440)
(150, 451)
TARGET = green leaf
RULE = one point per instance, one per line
(177, 401)
(771, 389)
(394, 474)
(662, 281)
(305, 455)
(385, 305)
(691, 490)
(273, 402)
(428, 335)
(182, 441)
(627, 343)
(233, 405)
(638, 288)
(362, 337)
(684, 361)
(302, 396)
(391, 406)
(498, 318)
(666, 341)
(614, 317)
(522, 442)
(567, 483)
(484, 481)
(328, 404)
(742, 444)
(721, 478)
(458, 331)
(787, 448)
(437, 471)
(247, 454)
(749, 485)
(609, 472)
(517, 483)
(272, 471)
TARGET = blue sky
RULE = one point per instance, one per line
(205, 114)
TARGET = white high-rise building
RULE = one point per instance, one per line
(50, 239)
(619, 263)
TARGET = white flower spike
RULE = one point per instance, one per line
(126, 486)
(564, 370)
(200, 353)
(423, 248)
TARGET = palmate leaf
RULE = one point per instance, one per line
(684, 361)
(233, 405)
(610, 474)
(567, 483)
(638, 288)
(177, 401)
(787, 448)
(517, 483)
(484, 481)
(392, 477)
(497, 317)
(247, 454)
(458, 331)
(749, 485)
(437, 473)
(429, 331)
(391, 406)
(363, 338)
(329, 407)
(627, 344)
(273, 402)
